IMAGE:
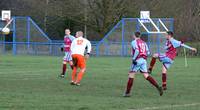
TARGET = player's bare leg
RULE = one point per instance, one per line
(152, 63)
(80, 76)
(129, 84)
(153, 82)
(164, 78)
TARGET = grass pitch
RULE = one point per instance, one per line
(32, 83)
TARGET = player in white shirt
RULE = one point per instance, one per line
(78, 47)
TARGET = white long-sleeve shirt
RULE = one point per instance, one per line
(79, 45)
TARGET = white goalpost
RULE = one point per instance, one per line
(145, 18)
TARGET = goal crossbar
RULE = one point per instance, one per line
(154, 25)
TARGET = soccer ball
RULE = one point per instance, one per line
(6, 31)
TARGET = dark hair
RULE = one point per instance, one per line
(170, 33)
(137, 34)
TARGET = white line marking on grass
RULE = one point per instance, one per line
(166, 106)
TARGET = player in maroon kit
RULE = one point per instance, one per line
(139, 63)
(168, 58)
(67, 49)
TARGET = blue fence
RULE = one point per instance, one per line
(24, 31)
(28, 38)
(36, 48)
(117, 40)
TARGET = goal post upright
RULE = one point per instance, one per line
(162, 24)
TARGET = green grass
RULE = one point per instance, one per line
(31, 83)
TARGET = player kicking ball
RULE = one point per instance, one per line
(168, 58)
(67, 49)
(139, 62)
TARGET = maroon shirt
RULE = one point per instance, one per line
(171, 51)
(142, 48)
(67, 44)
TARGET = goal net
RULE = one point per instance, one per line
(117, 41)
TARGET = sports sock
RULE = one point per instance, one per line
(129, 85)
(64, 69)
(74, 74)
(152, 63)
(152, 81)
(79, 77)
(164, 79)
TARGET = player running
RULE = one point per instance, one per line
(66, 48)
(139, 62)
(78, 48)
(168, 58)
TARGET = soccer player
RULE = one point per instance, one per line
(66, 48)
(78, 48)
(168, 58)
(139, 62)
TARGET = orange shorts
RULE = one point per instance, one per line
(79, 61)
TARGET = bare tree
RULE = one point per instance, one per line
(99, 16)
(104, 14)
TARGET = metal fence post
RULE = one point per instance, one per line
(123, 32)
(28, 33)
(14, 37)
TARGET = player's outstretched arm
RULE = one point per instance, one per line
(177, 43)
(188, 47)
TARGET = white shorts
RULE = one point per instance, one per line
(141, 65)
(167, 62)
(67, 57)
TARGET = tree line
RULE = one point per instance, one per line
(99, 16)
